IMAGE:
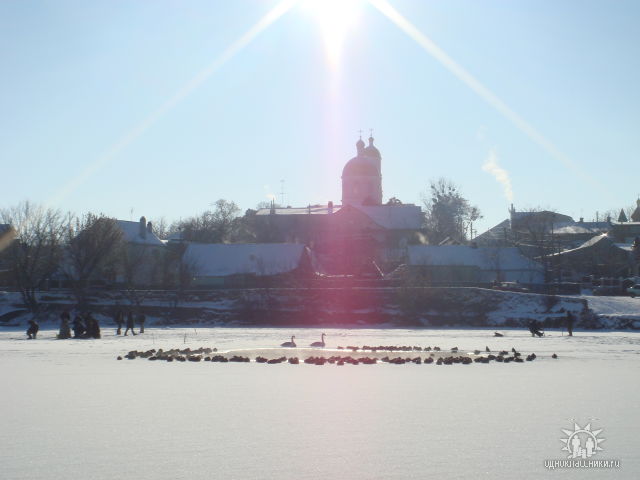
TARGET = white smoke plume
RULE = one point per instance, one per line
(499, 173)
(268, 193)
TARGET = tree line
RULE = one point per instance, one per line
(77, 249)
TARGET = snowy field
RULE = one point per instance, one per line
(70, 410)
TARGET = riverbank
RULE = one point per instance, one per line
(355, 307)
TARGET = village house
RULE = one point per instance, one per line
(470, 265)
(541, 232)
(246, 264)
(140, 262)
(600, 256)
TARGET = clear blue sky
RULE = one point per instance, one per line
(78, 76)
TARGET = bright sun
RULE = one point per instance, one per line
(335, 18)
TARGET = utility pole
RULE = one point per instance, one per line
(282, 194)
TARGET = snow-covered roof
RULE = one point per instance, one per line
(221, 260)
(633, 224)
(542, 214)
(495, 233)
(132, 233)
(599, 226)
(393, 217)
(576, 228)
(485, 258)
(598, 241)
(572, 229)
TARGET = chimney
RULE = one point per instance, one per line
(581, 220)
(272, 208)
(143, 227)
(330, 207)
(149, 227)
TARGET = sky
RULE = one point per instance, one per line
(159, 108)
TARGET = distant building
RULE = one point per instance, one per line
(600, 256)
(224, 265)
(612, 252)
(460, 264)
(627, 232)
(352, 237)
(362, 176)
(140, 263)
(541, 232)
(139, 233)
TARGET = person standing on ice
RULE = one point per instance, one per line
(32, 331)
(93, 327)
(129, 323)
(570, 320)
(141, 319)
(65, 330)
(119, 321)
(78, 327)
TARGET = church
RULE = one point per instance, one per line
(362, 235)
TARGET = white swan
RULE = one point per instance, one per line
(289, 344)
(319, 344)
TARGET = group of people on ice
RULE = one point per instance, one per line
(83, 326)
(119, 318)
(536, 328)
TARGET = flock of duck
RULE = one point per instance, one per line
(435, 355)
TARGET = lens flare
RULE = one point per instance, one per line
(335, 19)
(484, 92)
(129, 137)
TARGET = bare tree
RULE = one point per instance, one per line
(447, 212)
(35, 254)
(615, 214)
(161, 227)
(177, 270)
(212, 226)
(92, 247)
(133, 260)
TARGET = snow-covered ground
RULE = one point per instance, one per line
(615, 306)
(71, 410)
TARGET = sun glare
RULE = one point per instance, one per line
(335, 18)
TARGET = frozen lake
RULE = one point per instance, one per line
(70, 410)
